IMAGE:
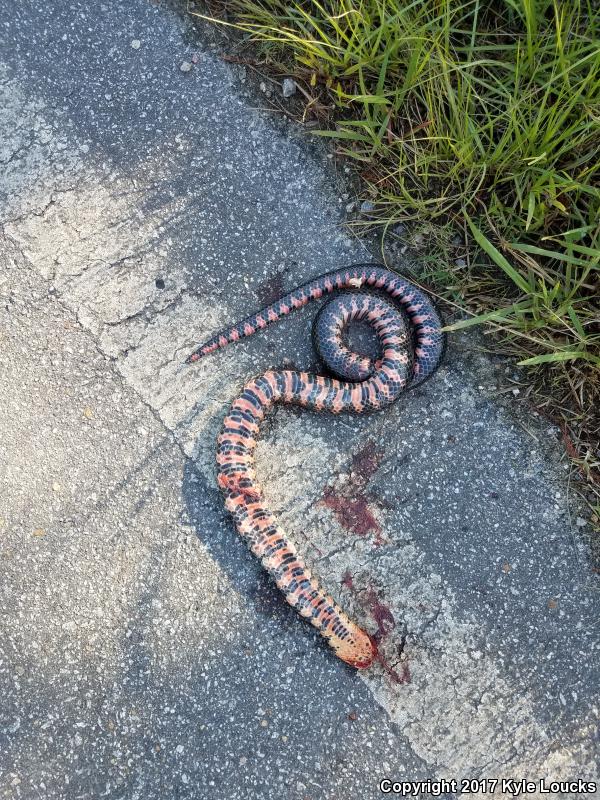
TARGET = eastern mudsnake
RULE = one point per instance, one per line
(411, 342)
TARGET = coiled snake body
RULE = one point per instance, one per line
(411, 343)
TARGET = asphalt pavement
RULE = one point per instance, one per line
(143, 652)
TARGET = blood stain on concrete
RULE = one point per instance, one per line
(351, 504)
(396, 677)
(367, 461)
(353, 513)
(347, 580)
(381, 614)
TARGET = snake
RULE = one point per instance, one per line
(410, 340)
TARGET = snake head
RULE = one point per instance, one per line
(359, 651)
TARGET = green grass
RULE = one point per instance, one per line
(476, 116)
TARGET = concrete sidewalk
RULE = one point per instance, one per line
(143, 652)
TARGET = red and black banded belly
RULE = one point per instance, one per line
(410, 346)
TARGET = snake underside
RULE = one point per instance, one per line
(411, 343)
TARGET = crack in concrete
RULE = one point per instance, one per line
(21, 149)
(34, 213)
(55, 294)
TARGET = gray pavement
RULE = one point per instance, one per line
(142, 651)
